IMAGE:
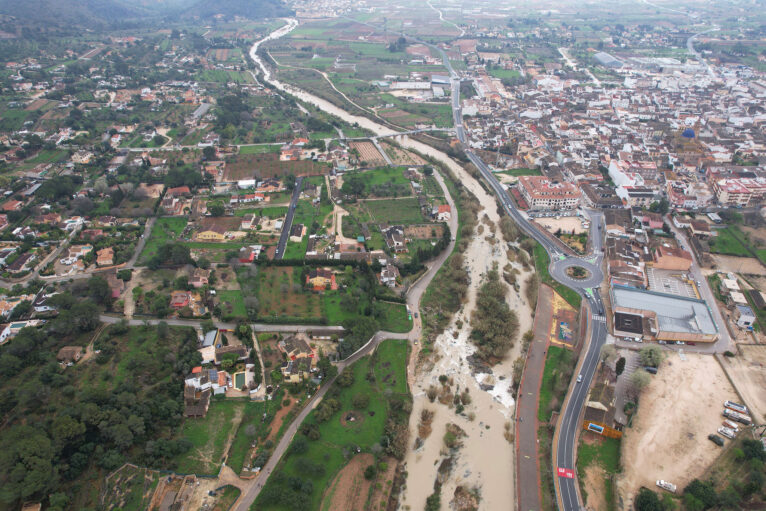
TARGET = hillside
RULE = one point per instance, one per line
(100, 14)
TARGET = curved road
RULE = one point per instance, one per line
(414, 295)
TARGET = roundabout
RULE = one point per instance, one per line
(576, 273)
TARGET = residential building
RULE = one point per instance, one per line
(105, 257)
(540, 193)
(668, 258)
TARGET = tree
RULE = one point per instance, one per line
(639, 380)
(620, 366)
(290, 180)
(99, 291)
(608, 351)
(216, 209)
(360, 400)
(346, 378)
(23, 308)
(700, 495)
(660, 207)
(209, 152)
(26, 463)
(370, 472)
(125, 275)
(651, 355)
(494, 325)
(647, 500)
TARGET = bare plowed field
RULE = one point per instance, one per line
(249, 166)
(402, 156)
(369, 153)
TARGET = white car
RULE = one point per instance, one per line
(579, 378)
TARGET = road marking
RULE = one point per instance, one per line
(598, 317)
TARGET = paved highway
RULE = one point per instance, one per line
(285, 235)
(569, 421)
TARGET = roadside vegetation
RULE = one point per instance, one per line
(604, 453)
(542, 261)
(365, 411)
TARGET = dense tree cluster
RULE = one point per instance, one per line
(57, 425)
(171, 254)
(493, 324)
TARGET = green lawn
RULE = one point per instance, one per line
(604, 452)
(728, 242)
(306, 213)
(296, 249)
(395, 211)
(542, 260)
(269, 211)
(208, 436)
(49, 156)
(556, 375)
(392, 317)
(522, 172)
(385, 179)
(252, 416)
(314, 463)
(503, 73)
(259, 149)
(232, 303)
(224, 76)
(334, 311)
(165, 230)
(389, 367)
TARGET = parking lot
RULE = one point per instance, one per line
(671, 282)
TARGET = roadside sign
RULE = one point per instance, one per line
(565, 472)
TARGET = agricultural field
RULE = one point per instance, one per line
(402, 156)
(249, 166)
(232, 304)
(281, 296)
(224, 76)
(130, 488)
(394, 211)
(368, 153)
(260, 149)
(381, 182)
(210, 437)
(165, 231)
(352, 417)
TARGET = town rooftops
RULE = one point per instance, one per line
(674, 313)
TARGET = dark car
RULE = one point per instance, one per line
(650, 369)
(717, 440)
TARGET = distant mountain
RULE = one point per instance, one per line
(100, 14)
(252, 9)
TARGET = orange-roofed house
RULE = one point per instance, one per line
(180, 299)
(443, 213)
(672, 259)
(320, 279)
(105, 257)
(13, 205)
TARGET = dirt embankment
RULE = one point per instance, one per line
(350, 490)
(677, 411)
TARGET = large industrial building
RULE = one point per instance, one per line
(661, 317)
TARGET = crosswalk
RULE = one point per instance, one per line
(598, 317)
